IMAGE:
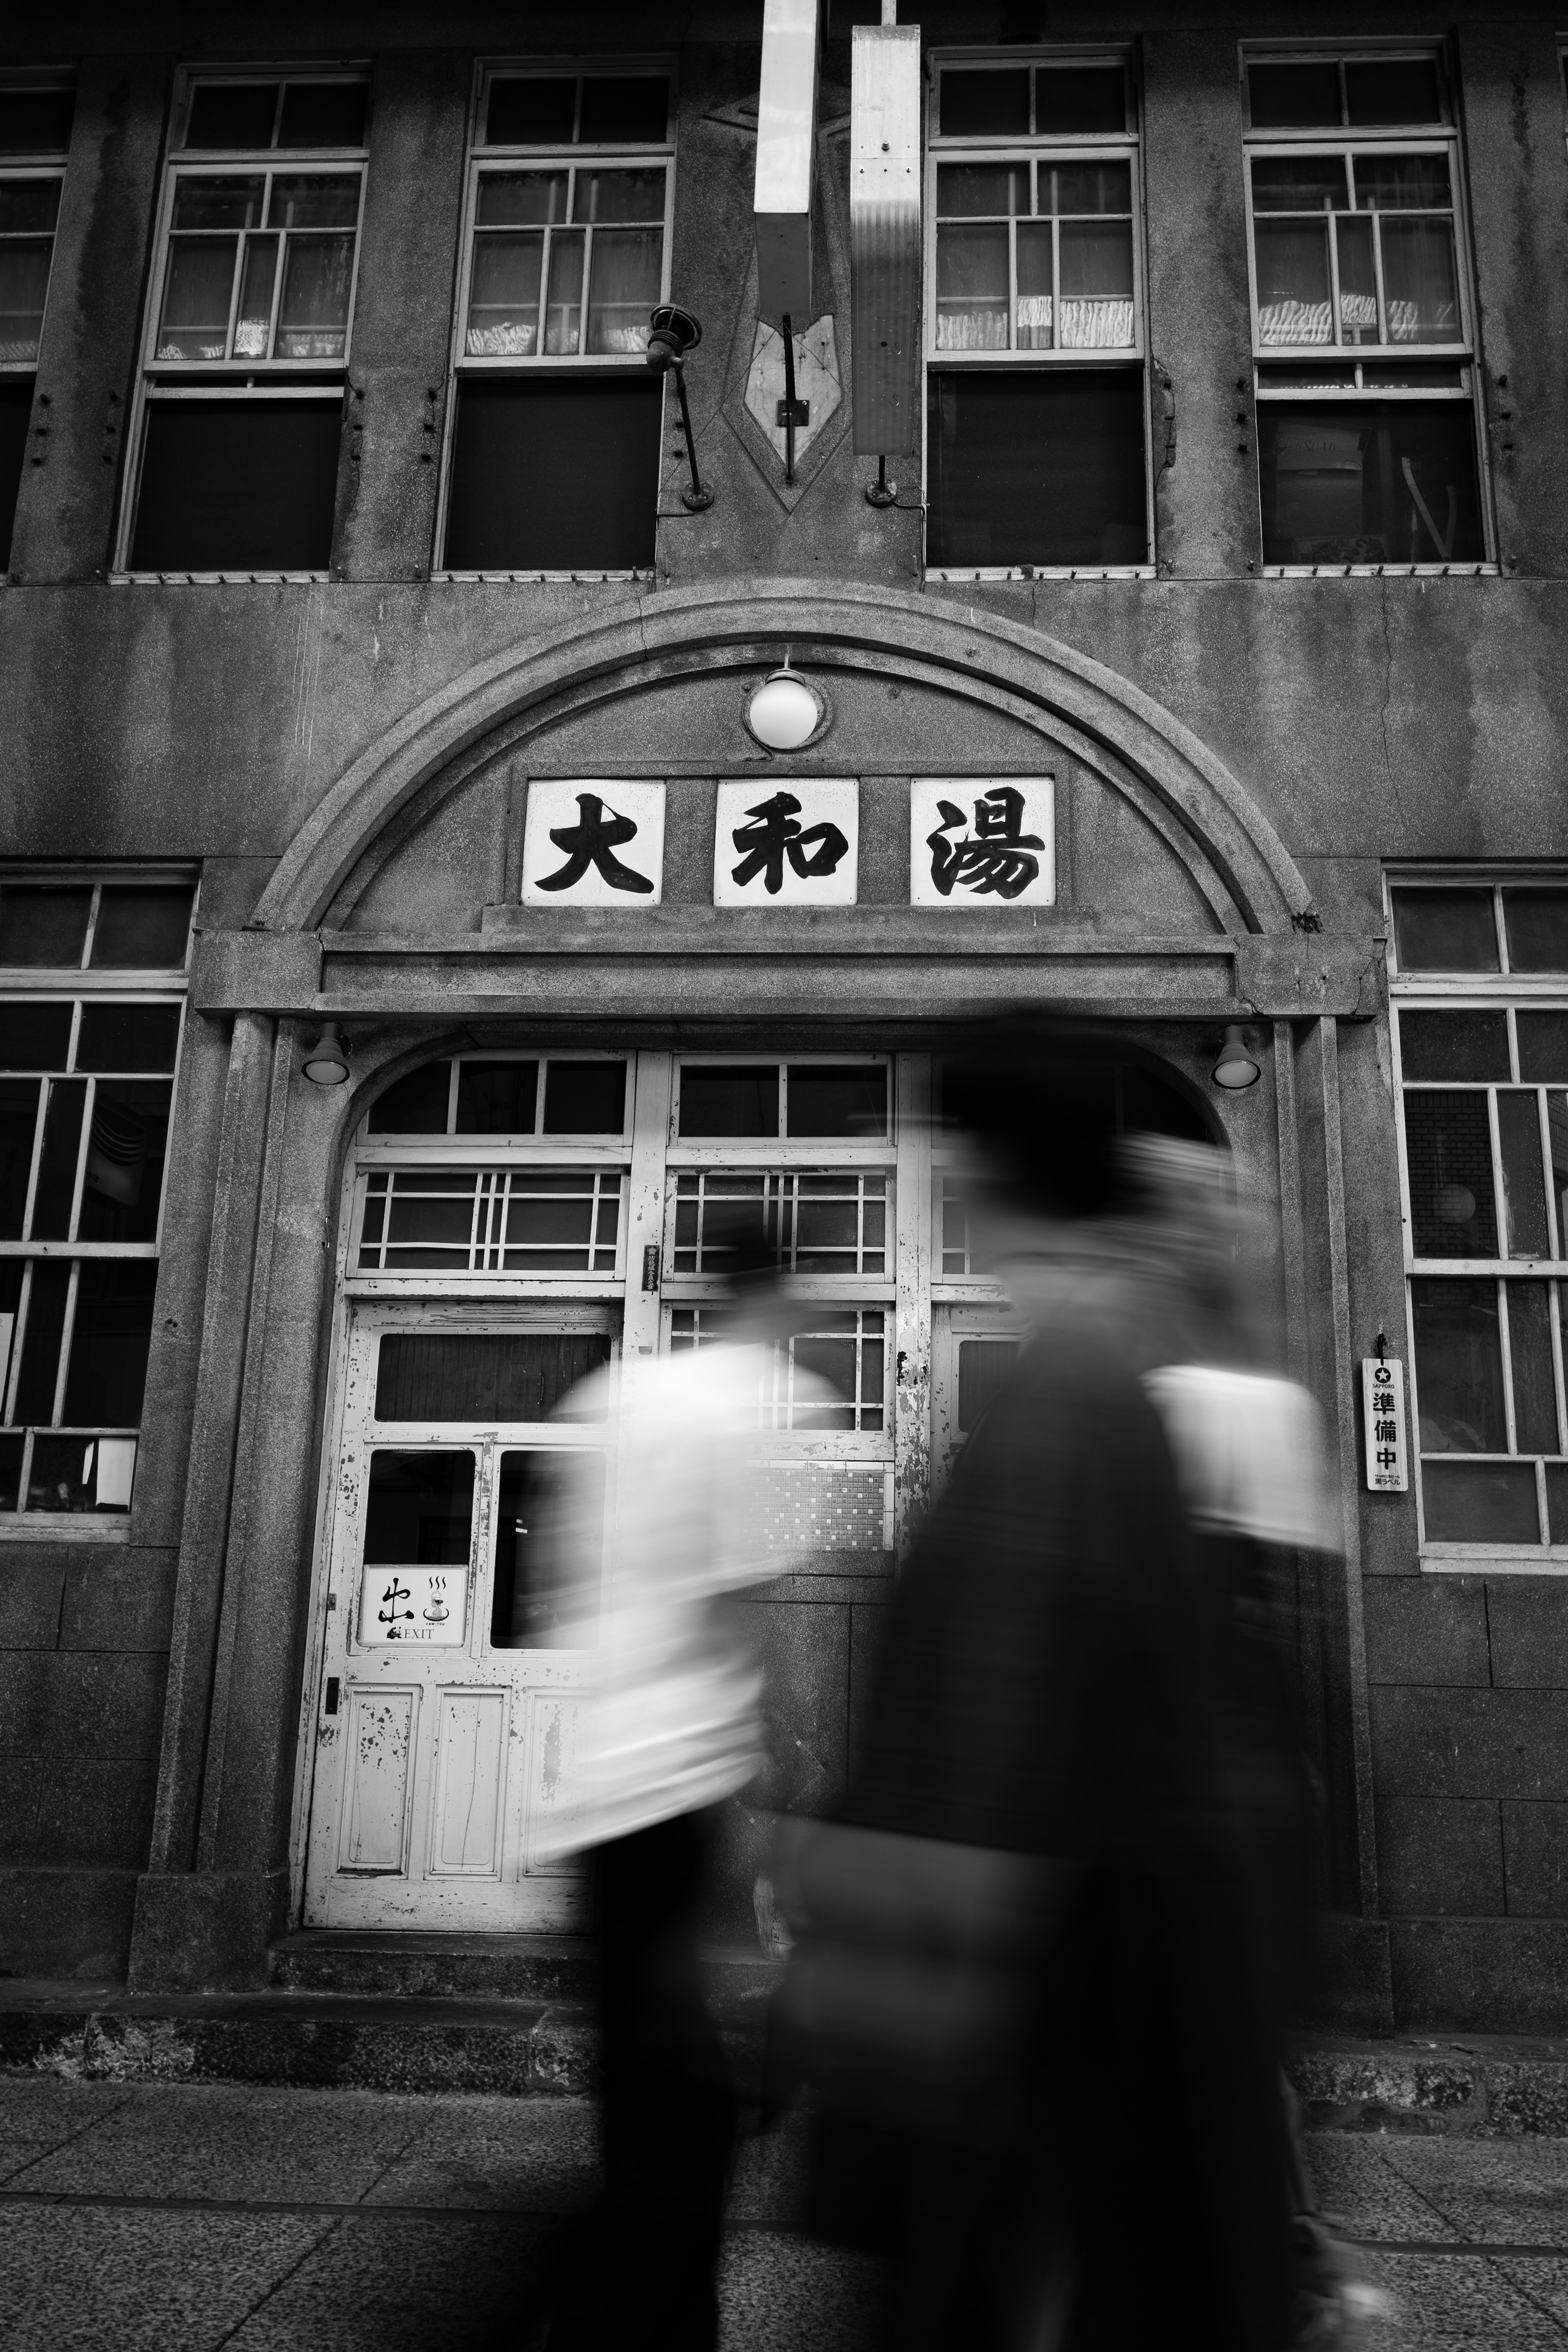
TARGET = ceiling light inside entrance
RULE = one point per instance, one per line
(786, 712)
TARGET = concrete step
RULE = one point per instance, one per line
(1492, 2084)
(501, 1967)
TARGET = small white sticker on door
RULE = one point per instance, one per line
(413, 1604)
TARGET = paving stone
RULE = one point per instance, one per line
(1360, 2190)
(1511, 2192)
(539, 2154)
(377, 2285)
(1451, 2299)
(100, 2279)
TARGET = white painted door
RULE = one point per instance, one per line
(446, 1705)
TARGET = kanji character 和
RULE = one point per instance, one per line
(775, 833)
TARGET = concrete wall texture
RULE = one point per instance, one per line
(1366, 720)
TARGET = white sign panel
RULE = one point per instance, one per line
(982, 841)
(795, 844)
(593, 842)
(413, 1604)
(1383, 1419)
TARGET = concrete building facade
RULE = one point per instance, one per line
(381, 696)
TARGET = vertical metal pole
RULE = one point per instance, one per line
(696, 497)
(788, 400)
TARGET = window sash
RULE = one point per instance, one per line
(1349, 148)
(555, 237)
(19, 347)
(1034, 157)
(582, 69)
(304, 163)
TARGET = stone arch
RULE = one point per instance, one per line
(1187, 791)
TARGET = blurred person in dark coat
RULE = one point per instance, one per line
(1053, 1700)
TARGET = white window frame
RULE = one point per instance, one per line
(77, 986)
(246, 378)
(1033, 150)
(485, 158)
(1499, 990)
(35, 164)
(1272, 362)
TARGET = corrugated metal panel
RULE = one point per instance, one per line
(884, 238)
(786, 138)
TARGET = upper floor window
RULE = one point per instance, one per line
(92, 975)
(35, 132)
(1361, 315)
(1034, 301)
(249, 324)
(554, 444)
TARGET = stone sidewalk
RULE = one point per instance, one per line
(182, 2218)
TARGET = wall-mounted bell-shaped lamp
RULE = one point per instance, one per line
(327, 1061)
(672, 333)
(1236, 1070)
(786, 712)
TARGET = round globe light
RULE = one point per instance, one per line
(785, 712)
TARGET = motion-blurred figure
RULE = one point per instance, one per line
(672, 1727)
(1032, 1984)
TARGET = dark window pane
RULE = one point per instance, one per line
(555, 477)
(980, 105)
(16, 410)
(487, 1377)
(1535, 1381)
(238, 486)
(128, 1037)
(1523, 1183)
(1448, 1141)
(1557, 1501)
(624, 107)
(1394, 484)
(1298, 183)
(549, 1518)
(35, 122)
(1454, 1045)
(532, 110)
(142, 930)
(1475, 1502)
(419, 1509)
(57, 1160)
(43, 926)
(232, 114)
(1403, 184)
(496, 1097)
(122, 1184)
(585, 1098)
(1543, 1045)
(324, 114)
(1038, 469)
(18, 1126)
(10, 1472)
(1068, 98)
(1445, 930)
(416, 1105)
(1459, 1366)
(70, 1473)
(841, 1101)
(1287, 96)
(1537, 925)
(1557, 1146)
(729, 1100)
(1393, 89)
(985, 1367)
(41, 1340)
(109, 1341)
(35, 1036)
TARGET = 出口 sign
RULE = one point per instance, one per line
(593, 842)
(791, 844)
(413, 1604)
(982, 841)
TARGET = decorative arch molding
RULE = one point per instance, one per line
(1118, 728)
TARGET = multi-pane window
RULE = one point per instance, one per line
(248, 325)
(1362, 317)
(458, 1221)
(93, 975)
(556, 434)
(1481, 1019)
(35, 132)
(844, 1352)
(1035, 422)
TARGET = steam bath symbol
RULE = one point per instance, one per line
(436, 1612)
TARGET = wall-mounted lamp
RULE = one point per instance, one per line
(672, 335)
(1236, 1070)
(327, 1061)
(786, 712)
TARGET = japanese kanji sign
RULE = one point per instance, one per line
(982, 841)
(594, 843)
(794, 845)
(413, 1604)
(1382, 1418)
